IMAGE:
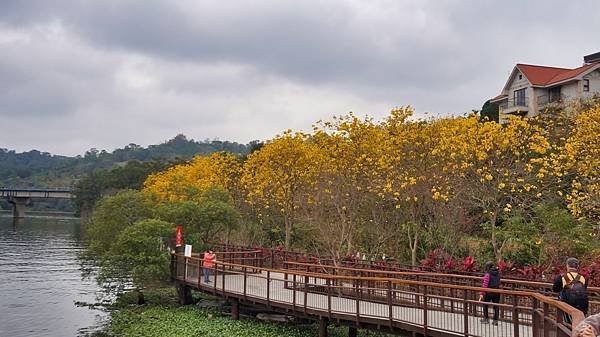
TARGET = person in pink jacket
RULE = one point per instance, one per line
(491, 280)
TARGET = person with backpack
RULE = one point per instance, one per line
(572, 288)
(491, 280)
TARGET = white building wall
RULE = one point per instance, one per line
(594, 78)
(569, 90)
(517, 84)
(539, 96)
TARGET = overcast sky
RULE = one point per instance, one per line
(80, 74)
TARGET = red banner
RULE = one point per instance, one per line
(178, 236)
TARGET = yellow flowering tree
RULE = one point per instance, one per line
(189, 181)
(496, 167)
(582, 157)
(413, 180)
(350, 169)
(281, 176)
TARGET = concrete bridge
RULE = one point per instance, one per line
(19, 197)
(431, 305)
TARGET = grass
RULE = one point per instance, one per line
(161, 316)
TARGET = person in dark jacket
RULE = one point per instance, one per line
(491, 280)
(572, 288)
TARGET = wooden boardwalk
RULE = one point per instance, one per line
(424, 309)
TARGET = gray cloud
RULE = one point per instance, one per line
(141, 71)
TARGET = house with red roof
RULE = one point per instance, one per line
(531, 88)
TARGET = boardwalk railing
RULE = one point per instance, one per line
(282, 259)
(276, 257)
(475, 281)
(392, 304)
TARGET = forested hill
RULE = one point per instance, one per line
(35, 168)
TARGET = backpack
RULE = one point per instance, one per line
(574, 291)
(494, 281)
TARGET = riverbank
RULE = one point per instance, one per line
(162, 316)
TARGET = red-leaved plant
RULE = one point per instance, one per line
(468, 264)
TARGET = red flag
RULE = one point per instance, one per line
(178, 236)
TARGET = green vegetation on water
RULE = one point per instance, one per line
(162, 317)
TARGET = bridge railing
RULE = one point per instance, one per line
(276, 258)
(409, 305)
(475, 281)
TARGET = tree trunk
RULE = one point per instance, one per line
(413, 247)
(497, 252)
(288, 232)
(413, 250)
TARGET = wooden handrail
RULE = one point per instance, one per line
(430, 274)
(419, 269)
(377, 279)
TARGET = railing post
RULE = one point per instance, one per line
(294, 292)
(216, 271)
(425, 320)
(200, 272)
(515, 316)
(417, 296)
(390, 304)
(465, 314)
(559, 320)
(245, 282)
(452, 294)
(305, 292)
(357, 302)
(222, 279)
(268, 288)
(185, 264)
(535, 323)
(328, 284)
(544, 325)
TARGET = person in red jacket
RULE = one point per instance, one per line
(208, 264)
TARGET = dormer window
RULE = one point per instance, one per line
(586, 85)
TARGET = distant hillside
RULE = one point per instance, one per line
(35, 168)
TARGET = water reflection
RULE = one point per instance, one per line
(40, 279)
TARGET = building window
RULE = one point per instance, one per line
(519, 97)
(520, 76)
(586, 85)
(554, 94)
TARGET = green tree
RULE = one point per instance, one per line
(217, 214)
(139, 255)
(114, 214)
(490, 112)
(204, 220)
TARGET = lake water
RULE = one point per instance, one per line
(41, 280)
